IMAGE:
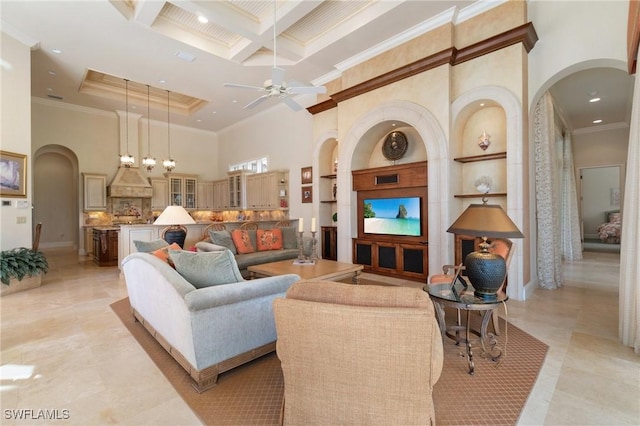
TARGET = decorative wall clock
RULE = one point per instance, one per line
(395, 146)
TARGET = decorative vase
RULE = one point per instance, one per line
(486, 272)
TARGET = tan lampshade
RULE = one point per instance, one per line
(485, 220)
(174, 215)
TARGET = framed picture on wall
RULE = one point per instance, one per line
(13, 174)
(307, 194)
(305, 175)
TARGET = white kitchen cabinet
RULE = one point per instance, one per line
(238, 189)
(205, 195)
(266, 191)
(182, 190)
(221, 194)
(95, 192)
(160, 197)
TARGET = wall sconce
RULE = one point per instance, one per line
(484, 140)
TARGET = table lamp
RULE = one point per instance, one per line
(486, 271)
(175, 217)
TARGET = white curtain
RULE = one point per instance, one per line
(571, 242)
(629, 294)
(549, 265)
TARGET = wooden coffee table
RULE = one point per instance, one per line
(323, 269)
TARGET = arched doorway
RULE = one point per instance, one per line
(55, 200)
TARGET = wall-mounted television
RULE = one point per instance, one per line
(393, 216)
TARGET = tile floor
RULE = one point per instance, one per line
(86, 366)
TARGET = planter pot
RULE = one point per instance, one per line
(16, 286)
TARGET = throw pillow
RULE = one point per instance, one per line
(223, 238)
(149, 246)
(205, 269)
(289, 238)
(269, 239)
(163, 253)
(242, 241)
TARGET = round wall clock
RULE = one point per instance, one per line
(394, 146)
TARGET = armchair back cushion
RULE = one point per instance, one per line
(357, 354)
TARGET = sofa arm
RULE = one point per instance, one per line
(207, 246)
(227, 294)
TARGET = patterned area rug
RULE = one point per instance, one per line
(252, 394)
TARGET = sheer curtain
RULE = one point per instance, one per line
(547, 180)
(629, 294)
(571, 242)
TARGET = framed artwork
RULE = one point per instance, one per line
(13, 174)
(307, 194)
(306, 176)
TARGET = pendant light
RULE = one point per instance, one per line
(148, 162)
(127, 160)
(170, 163)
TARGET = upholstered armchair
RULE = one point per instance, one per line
(357, 355)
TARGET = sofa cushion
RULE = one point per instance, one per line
(242, 241)
(223, 238)
(149, 246)
(206, 269)
(269, 239)
(163, 253)
(260, 257)
(289, 239)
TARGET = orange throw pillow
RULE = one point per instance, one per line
(242, 241)
(163, 253)
(269, 239)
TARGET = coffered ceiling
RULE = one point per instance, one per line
(82, 51)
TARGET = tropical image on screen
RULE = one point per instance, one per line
(392, 216)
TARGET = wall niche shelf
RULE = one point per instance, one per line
(483, 157)
(328, 176)
(495, 194)
(329, 201)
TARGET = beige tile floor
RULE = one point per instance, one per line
(85, 362)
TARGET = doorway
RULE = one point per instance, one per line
(600, 194)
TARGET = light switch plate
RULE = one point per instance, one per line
(22, 204)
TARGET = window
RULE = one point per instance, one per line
(260, 165)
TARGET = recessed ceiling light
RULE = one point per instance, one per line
(214, 112)
(199, 121)
(597, 121)
(56, 51)
(49, 89)
(594, 100)
(482, 104)
(234, 101)
(202, 19)
(185, 56)
(52, 72)
(162, 81)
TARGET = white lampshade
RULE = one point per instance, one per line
(174, 215)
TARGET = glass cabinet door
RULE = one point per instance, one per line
(190, 193)
(175, 191)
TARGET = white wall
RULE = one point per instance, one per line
(15, 135)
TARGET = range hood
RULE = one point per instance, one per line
(129, 182)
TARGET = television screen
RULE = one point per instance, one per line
(392, 216)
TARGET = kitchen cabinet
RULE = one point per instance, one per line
(160, 197)
(221, 194)
(95, 192)
(88, 241)
(105, 246)
(182, 190)
(238, 189)
(205, 195)
(267, 191)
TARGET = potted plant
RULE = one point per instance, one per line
(21, 269)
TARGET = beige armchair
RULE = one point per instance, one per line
(357, 355)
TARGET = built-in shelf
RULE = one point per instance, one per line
(494, 194)
(329, 201)
(328, 176)
(483, 157)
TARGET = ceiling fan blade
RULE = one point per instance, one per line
(306, 90)
(277, 76)
(292, 104)
(256, 102)
(243, 86)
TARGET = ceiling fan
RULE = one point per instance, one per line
(276, 86)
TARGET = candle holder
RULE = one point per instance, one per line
(314, 241)
(301, 257)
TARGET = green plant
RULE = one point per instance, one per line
(21, 262)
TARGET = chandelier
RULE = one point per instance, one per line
(148, 162)
(169, 164)
(127, 159)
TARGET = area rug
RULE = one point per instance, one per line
(252, 394)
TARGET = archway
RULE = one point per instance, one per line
(56, 196)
